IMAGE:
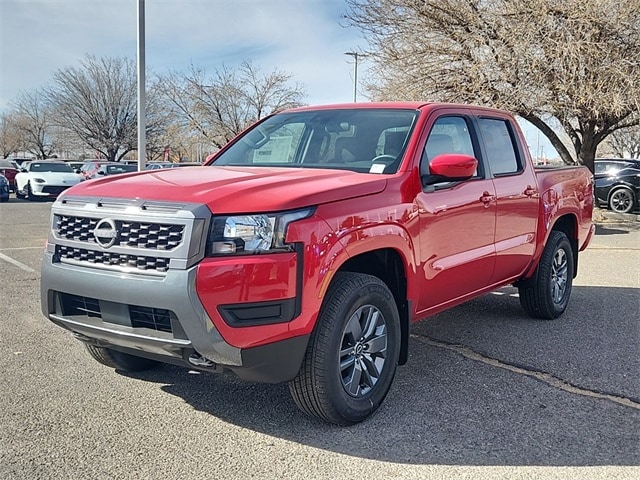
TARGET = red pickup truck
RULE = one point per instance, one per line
(305, 248)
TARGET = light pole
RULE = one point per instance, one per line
(355, 56)
(142, 109)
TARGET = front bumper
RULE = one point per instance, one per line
(46, 190)
(156, 317)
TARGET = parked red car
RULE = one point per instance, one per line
(9, 169)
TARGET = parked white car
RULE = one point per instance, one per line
(44, 179)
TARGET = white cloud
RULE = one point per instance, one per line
(301, 37)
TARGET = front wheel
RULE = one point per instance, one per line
(353, 352)
(118, 360)
(621, 200)
(30, 195)
(547, 295)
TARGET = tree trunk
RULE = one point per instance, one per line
(551, 135)
(121, 156)
(587, 153)
(589, 140)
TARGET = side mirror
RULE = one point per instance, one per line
(451, 167)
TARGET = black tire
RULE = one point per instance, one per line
(547, 295)
(357, 337)
(120, 361)
(30, 195)
(19, 193)
(621, 200)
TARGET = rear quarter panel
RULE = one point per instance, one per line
(564, 192)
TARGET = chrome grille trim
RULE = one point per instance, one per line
(112, 261)
(147, 235)
(150, 237)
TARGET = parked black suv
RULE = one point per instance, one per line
(617, 184)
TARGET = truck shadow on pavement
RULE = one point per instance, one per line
(606, 230)
(452, 409)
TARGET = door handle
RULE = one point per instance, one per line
(487, 198)
(530, 191)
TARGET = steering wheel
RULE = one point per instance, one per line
(384, 158)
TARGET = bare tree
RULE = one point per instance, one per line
(97, 101)
(625, 142)
(576, 61)
(10, 137)
(220, 106)
(178, 142)
(169, 143)
(160, 122)
(34, 124)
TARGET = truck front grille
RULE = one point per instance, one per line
(75, 305)
(148, 317)
(111, 260)
(151, 236)
(129, 236)
(158, 319)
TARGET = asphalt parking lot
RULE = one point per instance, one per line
(487, 393)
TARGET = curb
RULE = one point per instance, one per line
(601, 215)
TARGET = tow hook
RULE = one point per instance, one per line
(199, 361)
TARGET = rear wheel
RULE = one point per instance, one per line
(547, 295)
(353, 352)
(120, 361)
(621, 200)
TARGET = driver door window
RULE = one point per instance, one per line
(448, 135)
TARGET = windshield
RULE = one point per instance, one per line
(116, 169)
(360, 140)
(50, 167)
(8, 164)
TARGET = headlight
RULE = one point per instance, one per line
(252, 233)
(39, 180)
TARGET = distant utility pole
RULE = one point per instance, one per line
(355, 56)
(142, 109)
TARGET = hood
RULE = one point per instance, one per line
(236, 189)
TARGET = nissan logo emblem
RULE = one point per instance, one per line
(106, 233)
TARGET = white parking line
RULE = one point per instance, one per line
(16, 263)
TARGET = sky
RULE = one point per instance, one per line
(306, 39)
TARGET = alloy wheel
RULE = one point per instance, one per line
(559, 275)
(621, 201)
(364, 350)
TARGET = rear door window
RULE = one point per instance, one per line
(499, 145)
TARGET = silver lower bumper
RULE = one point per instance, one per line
(175, 292)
